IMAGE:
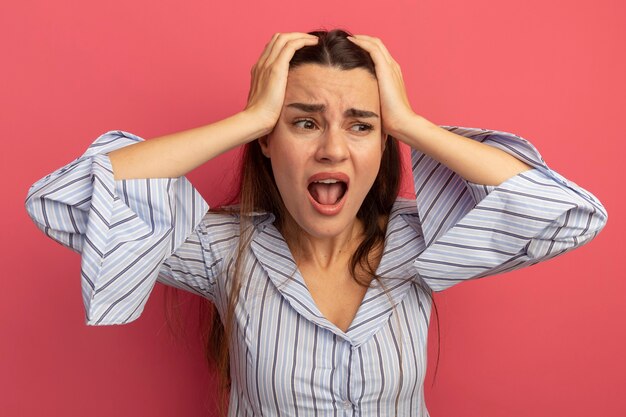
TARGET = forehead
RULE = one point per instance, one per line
(312, 83)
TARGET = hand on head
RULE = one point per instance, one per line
(269, 79)
(394, 102)
(269, 75)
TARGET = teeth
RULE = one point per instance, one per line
(328, 181)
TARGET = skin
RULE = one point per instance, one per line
(304, 143)
(324, 248)
(474, 161)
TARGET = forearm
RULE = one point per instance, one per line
(176, 154)
(474, 161)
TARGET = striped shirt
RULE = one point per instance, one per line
(286, 357)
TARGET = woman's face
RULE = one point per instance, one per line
(326, 147)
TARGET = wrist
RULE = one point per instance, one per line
(411, 129)
(264, 123)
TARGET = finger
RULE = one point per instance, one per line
(275, 44)
(373, 45)
(281, 61)
(282, 40)
(380, 54)
(290, 48)
(266, 51)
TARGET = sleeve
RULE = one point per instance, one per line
(473, 230)
(125, 230)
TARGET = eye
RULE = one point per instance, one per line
(363, 127)
(306, 124)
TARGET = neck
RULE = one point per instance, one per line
(323, 252)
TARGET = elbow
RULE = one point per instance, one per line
(33, 205)
(601, 217)
(573, 229)
(597, 218)
(590, 215)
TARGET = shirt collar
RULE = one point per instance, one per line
(395, 269)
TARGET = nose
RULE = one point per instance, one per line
(332, 146)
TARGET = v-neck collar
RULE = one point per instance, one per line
(395, 269)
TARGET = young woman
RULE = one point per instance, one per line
(322, 276)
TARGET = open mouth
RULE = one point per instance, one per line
(328, 191)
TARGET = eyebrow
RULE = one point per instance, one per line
(320, 108)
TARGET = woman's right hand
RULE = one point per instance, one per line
(175, 154)
(269, 76)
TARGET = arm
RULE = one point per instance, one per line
(174, 155)
(474, 230)
(126, 207)
(472, 160)
(482, 210)
(178, 153)
(123, 229)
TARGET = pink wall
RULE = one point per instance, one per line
(545, 341)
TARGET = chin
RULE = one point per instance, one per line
(321, 231)
(320, 226)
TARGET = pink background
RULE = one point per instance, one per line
(545, 341)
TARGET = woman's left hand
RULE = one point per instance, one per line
(475, 161)
(394, 102)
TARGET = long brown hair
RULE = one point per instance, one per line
(257, 192)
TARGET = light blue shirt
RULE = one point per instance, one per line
(286, 357)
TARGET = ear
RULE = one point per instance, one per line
(264, 143)
(385, 139)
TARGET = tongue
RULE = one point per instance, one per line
(327, 194)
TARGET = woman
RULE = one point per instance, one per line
(323, 277)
